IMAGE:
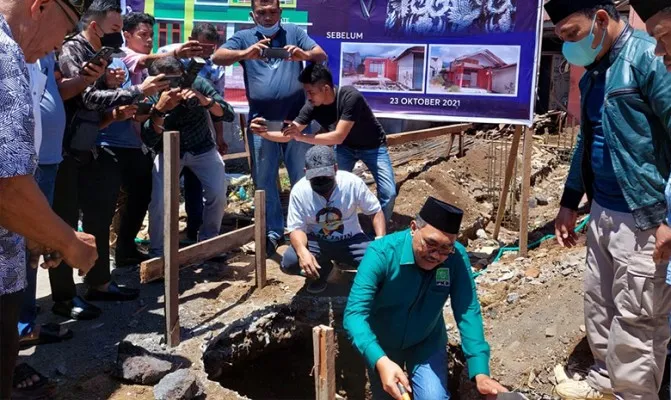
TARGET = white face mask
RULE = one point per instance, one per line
(268, 31)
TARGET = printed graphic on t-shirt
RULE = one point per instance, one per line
(330, 221)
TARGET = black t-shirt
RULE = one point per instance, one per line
(350, 105)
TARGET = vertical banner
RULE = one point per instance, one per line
(442, 60)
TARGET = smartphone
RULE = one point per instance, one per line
(104, 54)
(143, 108)
(276, 52)
(174, 80)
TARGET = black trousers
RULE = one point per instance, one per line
(93, 187)
(10, 304)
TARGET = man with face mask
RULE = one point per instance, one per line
(394, 313)
(323, 220)
(274, 93)
(621, 163)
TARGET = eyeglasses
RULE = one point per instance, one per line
(443, 251)
(67, 14)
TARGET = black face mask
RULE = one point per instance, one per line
(114, 40)
(322, 185)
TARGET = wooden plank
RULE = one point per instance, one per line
(462, 150)
(323, 342)
(171, 235)
(235, 156)
(243, 130)
(423, 134)
(260, 237)
(512, 158)
(526, 188)
(152, 270)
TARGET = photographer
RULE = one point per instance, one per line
(185, 109)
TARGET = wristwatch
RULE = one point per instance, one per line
(158, 113)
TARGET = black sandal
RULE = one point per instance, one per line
(49, 333)
(42, 389)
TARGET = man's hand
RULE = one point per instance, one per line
(92, 72)
(391, 374)
(189, 49)
(154, 84)
(292, 130)
(52, 259)
(258, 125)
(488, 386)
(662, 253)
(81, 254)
(169, 100)
(114, 77)
(565, 227)
(191, 93)
(309, 264)
(123, 113)
(296, 53)
(254, 51)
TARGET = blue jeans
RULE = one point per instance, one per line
(379, 164)
(266, 157)
(429, 382)
(45, 175)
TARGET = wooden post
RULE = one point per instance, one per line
(260, 237)
(243, 131)
(512, 158)
(171, 235)
(526, 188)
(461, 145)
(323, 343)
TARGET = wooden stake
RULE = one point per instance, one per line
(260, 237)
(323, 343)
(171, 235)
(512, 158)
(243, 131)
(526, 188)
(424, 134)
(462, 151)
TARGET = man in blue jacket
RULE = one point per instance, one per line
(621, 163)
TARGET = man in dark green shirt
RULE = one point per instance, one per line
(394, 314)
(191, 111)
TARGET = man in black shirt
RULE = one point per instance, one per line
(350, 124)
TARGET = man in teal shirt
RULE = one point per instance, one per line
(394, 314)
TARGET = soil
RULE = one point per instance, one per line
(519, 311)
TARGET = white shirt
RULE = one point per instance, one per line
(335, 219)
(38, 83)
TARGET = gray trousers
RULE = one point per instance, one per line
(627, 305)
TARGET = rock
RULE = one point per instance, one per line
(507, 276)
(513, 298)
(179, 385)
(542, 200)
(532, 272)
(582, 328)
(481, 234)
(137, 365)
(485, 252)
(567, 271)
(551, 331)
(533, 203)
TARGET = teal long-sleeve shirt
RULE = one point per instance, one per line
(395, 308)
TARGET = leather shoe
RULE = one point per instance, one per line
(77, 308)
(114, 293)
(130, 260)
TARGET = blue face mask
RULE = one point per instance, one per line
(581, 53)
(268, 31)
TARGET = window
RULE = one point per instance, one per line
(223, 3)
(162, 34)
(176, 33)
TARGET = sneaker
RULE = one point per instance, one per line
(316, 287)
(580, 390)
(272, 244)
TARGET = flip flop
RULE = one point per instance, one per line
(42, 389)
(48, 333)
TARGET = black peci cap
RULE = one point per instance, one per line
(647, 8)
(442, 216)
(560, 9)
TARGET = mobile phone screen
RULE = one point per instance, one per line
(143, 108)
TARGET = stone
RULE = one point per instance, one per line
(137, 365)
(481, 234)
(542, 200)
(485, 252)
(507, 276)
(582, 328)
(532, 272)
(513, 298)
(551, 331)
(567, 271)
(182, 384)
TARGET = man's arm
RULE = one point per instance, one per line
(220, 111)
(370, 205)
(379, 224)
(313, 51)
(369, 276)
(466, 309)
(332, 138)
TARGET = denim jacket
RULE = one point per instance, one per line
(636, 123)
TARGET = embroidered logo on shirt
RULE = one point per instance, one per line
(443, 277)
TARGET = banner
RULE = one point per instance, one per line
(440, 60)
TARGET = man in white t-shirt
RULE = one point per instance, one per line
(323, 219)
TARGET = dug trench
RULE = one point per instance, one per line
(269, 354)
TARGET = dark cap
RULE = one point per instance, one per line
(647, 8)
(319, 161)
(560, 9)
(442, 216)
(78, 6)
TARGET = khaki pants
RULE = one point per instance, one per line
(627, 305)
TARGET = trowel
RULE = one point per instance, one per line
(511, 396)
